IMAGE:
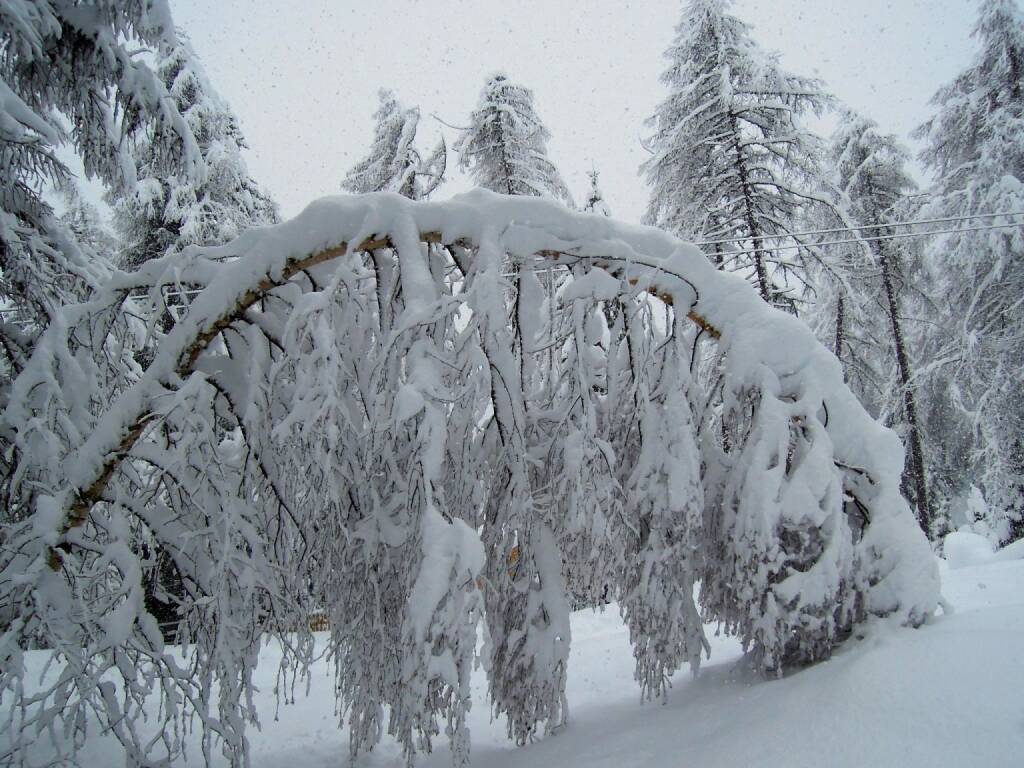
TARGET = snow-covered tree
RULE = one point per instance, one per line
(731, 159)
(83, 220)
(70, 76)
(168, 211)
(975, 148)
(504, 149)
(665, 556)
(344, 447)
(393, 163)
(872, 184)
(595, 198)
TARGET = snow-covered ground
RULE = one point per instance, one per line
(950, 694)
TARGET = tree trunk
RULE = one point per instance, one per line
(917, 471)
(841, 330)
(748, 208)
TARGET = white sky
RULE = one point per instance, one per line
(303, 75)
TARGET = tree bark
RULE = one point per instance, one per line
(917, 471)
(748, 209)
(841, 330)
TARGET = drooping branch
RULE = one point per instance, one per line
(390, 439)
(204, 336)
(612, 259)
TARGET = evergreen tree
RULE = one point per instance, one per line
(872, 181)
(975, 148)
(83, 220)
(595, 199)
(62, 65)
(504, 149)
(505, 146)
(393, 163)
(597, 204)
(68, 76)
(731, 159)
(169, 211)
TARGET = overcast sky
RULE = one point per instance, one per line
(303, 76)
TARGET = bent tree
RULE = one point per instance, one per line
(338, 424)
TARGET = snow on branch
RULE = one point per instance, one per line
(359, 416)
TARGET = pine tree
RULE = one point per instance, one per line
(393, 163)
(68, 76)
(168, 211)
(68, 66)
(975, 148)
(505, 146)
(504, 149)
(597, 204)
(595, 199)
(83, 220)
(731, 159)
(872, 181)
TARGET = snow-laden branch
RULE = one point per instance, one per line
(351, 418)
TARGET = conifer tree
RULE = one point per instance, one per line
(731, 158)
(169, 211)
(69, 76)
(505, 146)
(872, 182)
(595, 199)
(974, 145)
(597, 204)
(393, 163)
(504, 149)
(83, 220)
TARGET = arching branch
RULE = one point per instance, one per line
(204, 335)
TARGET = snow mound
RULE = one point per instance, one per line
(946, 695)
(964, 548)
(1013, 551)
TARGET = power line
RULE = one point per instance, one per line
(837, 230)
(897, 236)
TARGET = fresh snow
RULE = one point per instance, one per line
(790, 602)
(947, 694)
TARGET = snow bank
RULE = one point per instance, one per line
(964, 548)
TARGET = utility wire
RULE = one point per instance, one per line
(838, 230)
(897, 236)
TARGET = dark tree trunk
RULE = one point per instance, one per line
(916, 468)
(749, 215)
(841, 330)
